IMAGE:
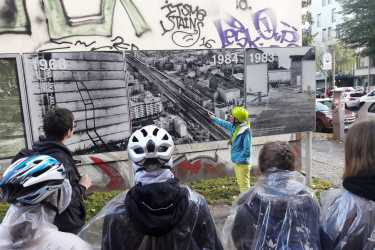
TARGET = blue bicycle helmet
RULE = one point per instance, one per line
(30, 180)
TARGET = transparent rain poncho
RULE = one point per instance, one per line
(347, 221)
(280, 212)
(113, 229)
(31, 227)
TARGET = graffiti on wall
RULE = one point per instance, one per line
(265, 27)
(93, 25)
(14, 17)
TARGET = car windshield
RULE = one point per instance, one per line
(320, 107)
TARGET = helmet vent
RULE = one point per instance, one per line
(144, 132)
(36, 174)
(163, 149)
(139, 151)
(135, 139)
(166, 137)
(37, 161)
(150, 146)
(155, 133)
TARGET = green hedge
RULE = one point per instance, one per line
(216, 191)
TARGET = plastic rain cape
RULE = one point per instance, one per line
(196, 221)
(347, 221)
(25, 226)
(278, 213)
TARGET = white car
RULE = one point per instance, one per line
(352, 99)
(367, 111)
(369, 97)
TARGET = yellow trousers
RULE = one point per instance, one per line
(242, 172)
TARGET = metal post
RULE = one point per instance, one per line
(308, 162)
(369, 74)
(333, 67)
(325, 84)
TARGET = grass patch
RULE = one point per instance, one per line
(216, 191)
(96, 201)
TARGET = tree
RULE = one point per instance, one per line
(345, 59)
(307, 21)
(358, 30)
(307, 36)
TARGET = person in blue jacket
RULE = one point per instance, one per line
(241, 142)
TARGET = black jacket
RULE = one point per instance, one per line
(160, 216)
(73, 218)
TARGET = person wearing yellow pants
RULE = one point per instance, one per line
(241, 142)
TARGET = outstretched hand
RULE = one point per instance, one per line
(211, 115)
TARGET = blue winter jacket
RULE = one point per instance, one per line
(241, 146)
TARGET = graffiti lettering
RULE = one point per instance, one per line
(118, 43)
(184, 22)
(243, 5)
(267, 28)
(207, 43)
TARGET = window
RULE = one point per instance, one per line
(329, 1)
(318, 20)
(324, 35)
(324, 3)
(12, 134)
(333, 15)
(371, 109)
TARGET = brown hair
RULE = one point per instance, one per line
(360, 150)
(57, 122)
(277, 155)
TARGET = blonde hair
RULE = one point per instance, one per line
(360, 150)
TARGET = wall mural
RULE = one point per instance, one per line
(97, 25)
(114, 93)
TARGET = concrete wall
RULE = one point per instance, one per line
(112, 171)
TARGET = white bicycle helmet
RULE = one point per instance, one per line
(31, 180)
(151, 145)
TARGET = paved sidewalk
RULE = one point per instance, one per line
(328, 160)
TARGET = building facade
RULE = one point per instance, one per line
(326, 22)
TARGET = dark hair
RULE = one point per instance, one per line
(57, 122)
(360, 150)
(277, 155)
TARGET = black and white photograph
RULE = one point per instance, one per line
(280, 85)
(12, 134)
(90, 84)
(176, 90)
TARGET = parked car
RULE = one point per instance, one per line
(369, 97)
(352, 99)
(324, 115)
(367, 111)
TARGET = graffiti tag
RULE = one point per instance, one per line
(266, 26)
(243, 5)
(184, 22)
(117, 43)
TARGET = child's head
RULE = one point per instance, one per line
(151, 148)
(239, 115)
(58, 123)
(34, 180)
(360, 150)
(277, 155)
